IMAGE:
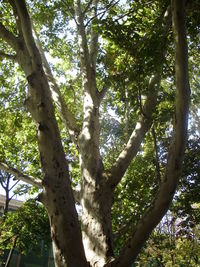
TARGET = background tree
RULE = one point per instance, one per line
(137, 35)
(25, 230)
(5, 182)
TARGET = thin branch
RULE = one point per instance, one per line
(87, 7)
(2, 185)
(26, 29)
(70, 86)
(102, 13)
(157, 162)
(102, 93)
(11, 253)
(4, 180)
(30, 179)
(13, 185)
(21, 176)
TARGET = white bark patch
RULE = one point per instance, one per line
(94, 250)
(138, 126)
(88, 177)
(55, 95)
(88, 107)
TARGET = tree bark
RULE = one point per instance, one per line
(96, 198)
(57, 194)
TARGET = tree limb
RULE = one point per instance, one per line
(168, 185)
(66, 115)
(18, 22)
(157, 163)
(8, 36)
(145, 121)
(26, 30)
(102, 93)
(21, 176)
(29, 179)
(143, 125)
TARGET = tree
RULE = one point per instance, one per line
(5, 180)
(89, 242)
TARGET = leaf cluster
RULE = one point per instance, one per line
(28, 225)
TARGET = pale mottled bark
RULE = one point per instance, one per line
(57, 193)
(66, 115)
(96, 198)
(168, 185)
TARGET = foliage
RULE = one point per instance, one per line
(172, 244)
(29, 225)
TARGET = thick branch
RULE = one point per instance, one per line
(175, 157)
(18, 22)
(89, 138)
(26, 30)
(143, 125)
(21, 176)
(145, 120)
(8, 36)
(66, 115)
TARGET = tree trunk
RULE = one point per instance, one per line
(57, 194)
(96, 197)
(96, 224)
(11, 253)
